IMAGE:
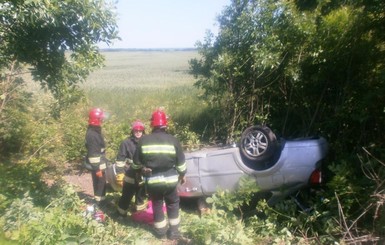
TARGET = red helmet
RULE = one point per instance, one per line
(137, 125)
(95, 117)
(159, 119)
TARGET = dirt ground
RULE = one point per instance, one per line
(82, 182)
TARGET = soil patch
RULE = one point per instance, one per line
(82, 182)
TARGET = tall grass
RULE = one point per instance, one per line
(134, 83)
(143, 69)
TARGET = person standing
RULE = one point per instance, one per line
(95, 145)
(132, 182)
(161, 160)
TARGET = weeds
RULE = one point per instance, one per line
(348, 210)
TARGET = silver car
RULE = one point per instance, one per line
(279, 167)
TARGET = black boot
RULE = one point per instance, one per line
(160, 233)
(173, 232)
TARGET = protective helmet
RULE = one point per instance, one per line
(95, 117)
(137, 125)
(159, 119)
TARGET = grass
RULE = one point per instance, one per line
(143, 69)
(134, 83)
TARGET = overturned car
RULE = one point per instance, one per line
(279, 167)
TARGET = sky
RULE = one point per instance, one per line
(165, 23)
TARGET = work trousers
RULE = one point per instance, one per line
(170, 196)
(99, 185)
(128, 192)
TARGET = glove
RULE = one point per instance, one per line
(99, 173)
(182, 179)
(119, 179)
(146, 172)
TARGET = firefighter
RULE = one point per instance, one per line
(160, 158)
(132, 183)
(95, 146)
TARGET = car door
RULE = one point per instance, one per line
(219, 170)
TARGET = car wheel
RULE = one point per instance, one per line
(258, 143)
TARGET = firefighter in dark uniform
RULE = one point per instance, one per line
(133, 184)
(161, 160)
(95, 146)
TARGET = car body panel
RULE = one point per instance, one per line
(213, 168)
(287, 169)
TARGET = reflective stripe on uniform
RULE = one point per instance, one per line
(161, 224)
(162, 179)
(136, 166)
(102, 166)
(99, 198)
(129, 180)
(162, 149)
(94, 160)
(141, 207)
(175, 221)
(120, 164)
(122, 211)
(181, 168)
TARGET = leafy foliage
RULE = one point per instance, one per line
(218, 227)
(61, 222)
(304, 68)
(294, 68)
(14, 111)
(224, 223)
(14, 186)
(39, 33)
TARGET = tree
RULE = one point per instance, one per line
(305, 68)
(295, 65)
(56, 40)
(239, 70)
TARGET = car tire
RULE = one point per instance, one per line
(258, 144)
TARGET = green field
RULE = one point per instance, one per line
(134, 83)
(143, 69)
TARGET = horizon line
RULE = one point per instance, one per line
(147, 49)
